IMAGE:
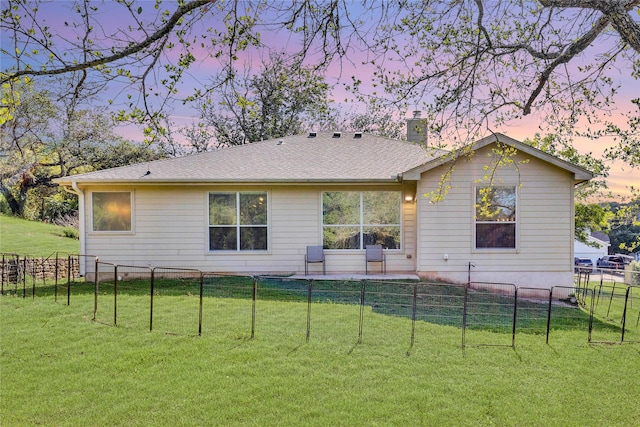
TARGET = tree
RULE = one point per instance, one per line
(472, 65)
(281, 99)
(376, 120)
(559, 147)
(625, 226)
(44, 140)
(23, 135)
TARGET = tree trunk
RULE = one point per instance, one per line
(15, 205)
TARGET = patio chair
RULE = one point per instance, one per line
(315, 254)
(375, 254)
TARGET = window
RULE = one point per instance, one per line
(352, 219)
(111, 211)
(495, 217)
(238, 221)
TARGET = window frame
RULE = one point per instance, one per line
(131, 229)
(476, 222)
(361, 225)
(238, 226)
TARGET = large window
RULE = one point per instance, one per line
(495, 217)
(238, 221)
(353, 219)
(111, 211)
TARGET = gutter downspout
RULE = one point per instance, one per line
(81, 222)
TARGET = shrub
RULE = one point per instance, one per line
(68, 220)
(71, 232)
(635, 273)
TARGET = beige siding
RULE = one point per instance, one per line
(170, 229)
(544, 224)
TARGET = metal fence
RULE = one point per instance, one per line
(190, 302)
(182, 301)
(26, 275)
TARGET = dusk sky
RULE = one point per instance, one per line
(621, 175)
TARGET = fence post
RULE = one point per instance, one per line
(549, 315)
(44, 277)
(34, 277)
(2, 276)
(201, 295)
(414, 310)
(362, 292)
(24, 277)
(153, 281)
(115, 295)
(624, 313)
(69, 270)
(464, 313)
(613, 291)
(254, 296)
(591, 311)
(95, 290)
(309, 291)
(515, 316)
(55, 283)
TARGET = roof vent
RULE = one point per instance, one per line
(337, 134)
(357, 135)
(280, 142)
(313, 134)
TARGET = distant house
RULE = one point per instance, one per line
(254, 209)
(598, 247)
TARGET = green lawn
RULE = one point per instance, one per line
(33, 238)
(58, 367)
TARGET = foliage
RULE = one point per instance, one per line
(625, 226)
(282, 99)
(10, 99)
(559, 147)
(71, 232)
(590, 218)
(635, 278)
(45, 140)
(474, 66)
(376, 120)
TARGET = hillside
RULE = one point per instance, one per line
(34, 238)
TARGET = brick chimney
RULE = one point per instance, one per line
(417, 129)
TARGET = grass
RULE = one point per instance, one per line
(34, 238)
(57, 367)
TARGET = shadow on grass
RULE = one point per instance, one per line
(435, 303)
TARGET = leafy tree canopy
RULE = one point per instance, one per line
(44, 139)
(472, 65)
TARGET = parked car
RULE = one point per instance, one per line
(626, 259)
(582, 264)
(614, 262)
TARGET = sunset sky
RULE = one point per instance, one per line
(621, 175)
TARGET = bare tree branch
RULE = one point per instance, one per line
(131, 50)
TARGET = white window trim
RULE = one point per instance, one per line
(361, 226)
(475, 249)
(238, 225)
(114, 232)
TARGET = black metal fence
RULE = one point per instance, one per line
(32, 276)
(190, 302)
(243, 306)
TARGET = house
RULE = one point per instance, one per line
(255, 208)
(597, 248)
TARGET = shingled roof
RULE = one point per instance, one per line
(313, 157)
